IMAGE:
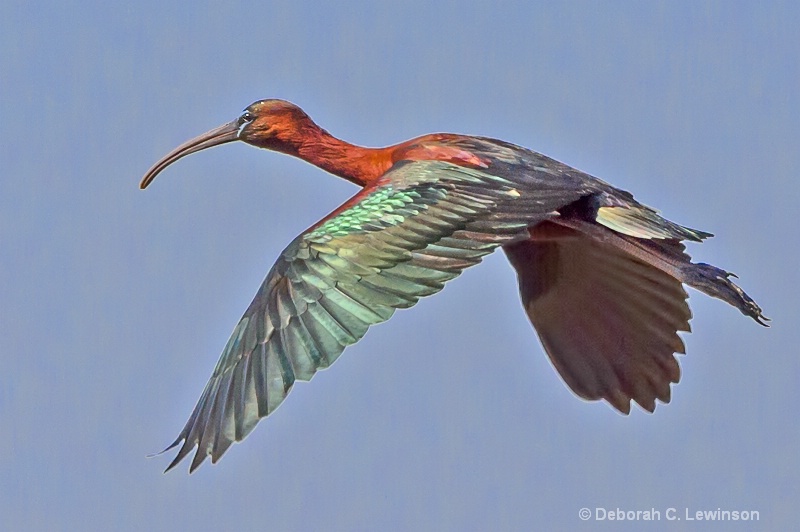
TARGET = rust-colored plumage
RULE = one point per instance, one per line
(601, 275)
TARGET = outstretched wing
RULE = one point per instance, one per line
(603, 289)
(607, 320)
(389, 245)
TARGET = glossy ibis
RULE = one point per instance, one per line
(600, 274)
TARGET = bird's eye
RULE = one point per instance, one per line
(246, 118)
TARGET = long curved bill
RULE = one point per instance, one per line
(220, 135)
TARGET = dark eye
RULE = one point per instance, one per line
(246, 118)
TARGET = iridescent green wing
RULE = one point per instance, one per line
(391, 244)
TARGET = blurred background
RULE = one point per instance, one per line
(117, 302)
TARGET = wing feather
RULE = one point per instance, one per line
(607, 320)
(392, 244)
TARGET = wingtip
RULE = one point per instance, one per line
(171, 466)
(702, 235)
(648, 405)
(182, 453)
(197, 461)
(171, 446)
(179, 457)
(619, 401)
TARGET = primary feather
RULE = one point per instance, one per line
(600, 274)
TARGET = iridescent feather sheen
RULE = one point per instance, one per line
(600, 275)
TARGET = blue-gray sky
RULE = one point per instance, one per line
(117, 302)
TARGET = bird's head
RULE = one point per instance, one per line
(273, 124)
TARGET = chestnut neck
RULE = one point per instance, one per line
(313, 144)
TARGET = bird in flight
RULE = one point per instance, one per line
(600, 275)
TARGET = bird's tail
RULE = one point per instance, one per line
(643, 233)
(662, 237)
(717, 283)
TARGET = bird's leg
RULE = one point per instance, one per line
(669, 257)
